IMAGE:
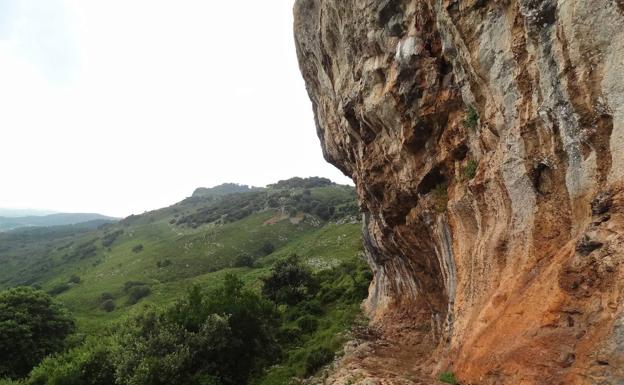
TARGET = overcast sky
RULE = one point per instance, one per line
(122, 106)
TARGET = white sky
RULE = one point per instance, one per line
(121, 106)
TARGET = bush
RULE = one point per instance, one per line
(243, 260)
(312, 307)
(87, 364)
(130, 284)
(289, 335)
(470, 171)
(266, 249)
(108, 305)
(448, 378)
(106, 296)
(290, 282)
(137, 249)
(32, 326)
(318, 358)
(164, 263)
(155, 350)
(58, 289)
(307, 324)
(74, 279)
(8, 381)
(471, 118)
(136, 293)
(329, 294)
(440, 196)
(222, 337)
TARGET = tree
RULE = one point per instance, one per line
(32, 326)
(222, 337)
(290, 282)
(253, 323)
(154, 350)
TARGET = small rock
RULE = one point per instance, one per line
(567, 360)
(586, 245)
(601, 204)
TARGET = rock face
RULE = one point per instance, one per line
(486, 142)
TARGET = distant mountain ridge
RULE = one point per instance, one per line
(59, 219)
(16, 213)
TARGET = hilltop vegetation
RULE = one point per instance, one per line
(132, 275)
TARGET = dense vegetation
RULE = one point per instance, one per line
(255, 300)
(228, 335)
(32, 326)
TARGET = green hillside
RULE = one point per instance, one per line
(104, 274)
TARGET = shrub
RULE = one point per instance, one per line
(448, 378)
(106, 296)
(440, 198)
(8, 381)
(243, 260)
(32, 326)
(137, 248)
(155, 350)
(312, 307)
(74, 279)
(227, 335)
(266, 249)
(307, 324)
(136, 293)
(471, 118)
(329, 294)
(318, 358)
(108, 305)
(163, 263)
(130, 284)
(289, 335)
(290, 282)
(58, 289)
(87, 364)
(470, 171)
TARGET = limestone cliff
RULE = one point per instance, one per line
(486, 142)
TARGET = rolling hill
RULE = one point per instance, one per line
(103, 274)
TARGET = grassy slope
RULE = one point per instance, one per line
(198, 256)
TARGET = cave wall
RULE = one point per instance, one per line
(486, 143)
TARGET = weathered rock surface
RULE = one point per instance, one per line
(486, 142)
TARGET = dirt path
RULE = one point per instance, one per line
(398, 356)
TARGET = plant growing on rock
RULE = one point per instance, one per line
(471, 118)
(448, 378)
(440, 196)
(470, 170)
